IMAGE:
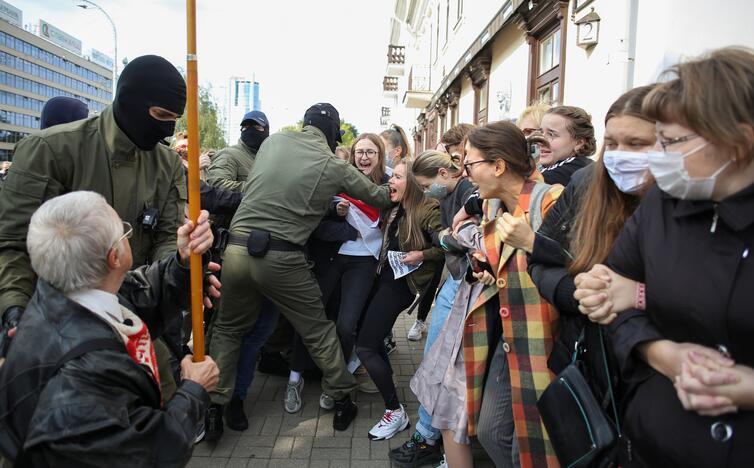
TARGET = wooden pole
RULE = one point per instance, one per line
(192, 108)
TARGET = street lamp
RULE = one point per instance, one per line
(86, 4)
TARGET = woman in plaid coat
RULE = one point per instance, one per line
(508, 332)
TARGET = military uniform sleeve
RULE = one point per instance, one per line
(171, 217)
(223, 172)
(355, 184)
(35, 176)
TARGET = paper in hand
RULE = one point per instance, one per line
(400, 269)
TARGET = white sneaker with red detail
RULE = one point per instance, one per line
(392, 422)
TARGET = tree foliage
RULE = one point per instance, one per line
(350, 132)
(211, 135)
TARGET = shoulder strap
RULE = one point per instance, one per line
(13, 448)
(535, 205)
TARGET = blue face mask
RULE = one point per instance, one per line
(436, 191)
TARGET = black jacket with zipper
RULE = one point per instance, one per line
(101, 408)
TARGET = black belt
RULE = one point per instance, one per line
(275, 244)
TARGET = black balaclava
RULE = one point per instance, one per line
(253, 138)
(62, 109)
(145, 82)
(326, 118)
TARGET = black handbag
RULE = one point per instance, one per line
(580, 431)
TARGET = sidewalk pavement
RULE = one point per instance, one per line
(276, 439)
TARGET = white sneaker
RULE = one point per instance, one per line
(417, 330)
(292, 401)
(444, 463)
(326, 402)
(392, 422)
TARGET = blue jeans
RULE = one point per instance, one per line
(252, 343)
(443, 304)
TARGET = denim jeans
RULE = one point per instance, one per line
(443, 304)
(250, 347)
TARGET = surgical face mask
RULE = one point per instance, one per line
(437, 191)
(673, 178)
(627, 169)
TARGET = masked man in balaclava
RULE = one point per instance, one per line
(289, 190)
(116, 154)
(231, 166)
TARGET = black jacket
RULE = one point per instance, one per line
(550, 255)
(217, 201)
(561, 171)
(100, 409)
(695, 258)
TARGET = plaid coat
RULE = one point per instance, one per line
(529, 324)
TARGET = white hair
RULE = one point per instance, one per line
(69, 239)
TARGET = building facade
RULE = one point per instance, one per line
(243, 97)
(33, 70)
(456, 61)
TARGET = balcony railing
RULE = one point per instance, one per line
(396, 54)
(390, 84)
(418, 78)
(386, 112)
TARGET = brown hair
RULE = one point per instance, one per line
(378, 172)
(712, 95)
(579, 126)
(455, 134)
(503, 140)
(413, 198)
(397, 137)
(604, 209)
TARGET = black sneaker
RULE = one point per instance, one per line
(273, 364)
(416, 452)
(213, 423)
(345, 413)
(235, 417)
(390, 345)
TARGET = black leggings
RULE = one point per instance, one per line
(428, 297)
(349, 280)
(388, 299)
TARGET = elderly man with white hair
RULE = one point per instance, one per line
(80, 386)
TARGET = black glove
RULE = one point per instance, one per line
(10, 319)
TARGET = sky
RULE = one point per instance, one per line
(300, 51)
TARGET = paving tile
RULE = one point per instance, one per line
(331, 453)
(302, 447)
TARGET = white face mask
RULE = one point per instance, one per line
(627, 169)
(673, 178)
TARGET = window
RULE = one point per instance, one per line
(548, 57)
(447, 19)
(481, 98)
(546, 39)
(437, 35)
(459, 10)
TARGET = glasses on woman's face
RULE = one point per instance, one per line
(369, 153)
(469, 165)
(665, 143)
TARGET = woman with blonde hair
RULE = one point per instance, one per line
(396, 146)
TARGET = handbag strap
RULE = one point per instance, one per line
(609, 382)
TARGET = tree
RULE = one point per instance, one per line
(350, 132)
(211, 134)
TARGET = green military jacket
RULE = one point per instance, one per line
(292, 183)
(231, 167)
(92, 154)
(429, 215)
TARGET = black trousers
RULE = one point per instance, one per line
(428, 297)
(351, 278)
(388, 299)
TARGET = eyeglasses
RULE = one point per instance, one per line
(467, 166)
(673, 141)
(128, 231)
(369, 153)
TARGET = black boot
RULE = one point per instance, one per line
(235, 417)
(213, 423)
(345, 413)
